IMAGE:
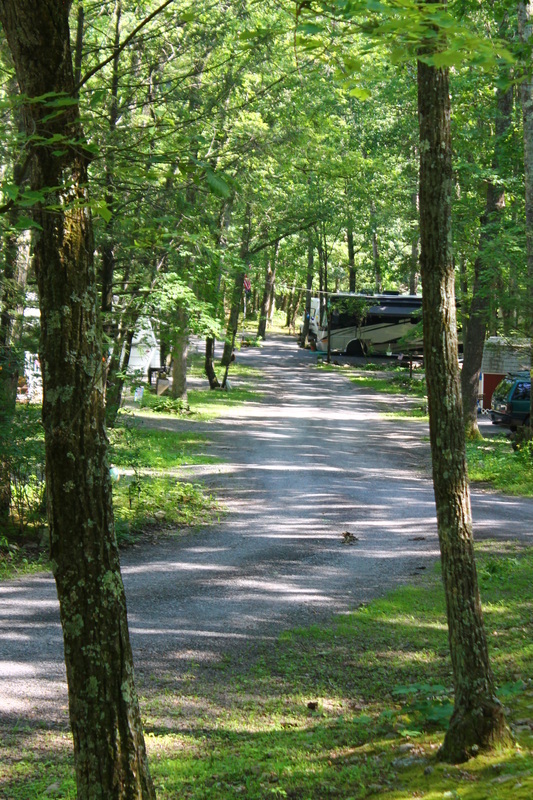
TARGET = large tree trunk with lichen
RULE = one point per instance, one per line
(478, 721)
(109, 751)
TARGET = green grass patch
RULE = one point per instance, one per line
(352, 710)
(133, 446)
(398, 382)
(494, 462)
(205, 403)
(147, 504)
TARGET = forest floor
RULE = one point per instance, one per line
(235, 627)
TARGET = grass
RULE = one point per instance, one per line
(353, 710)
(145, 454)
(204, 404)
(494, 462)
(395, 383)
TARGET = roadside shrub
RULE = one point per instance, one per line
(164, 405)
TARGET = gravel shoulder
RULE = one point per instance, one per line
(314, 459)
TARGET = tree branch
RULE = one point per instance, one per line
(259, 247)
(123, 44)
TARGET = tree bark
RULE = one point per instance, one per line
(309, 287)
(413, 271)
(179, 359)
(236, 297)
(525, 22)
(208, 364)
(109, 750)
(378, 281)
(476, 328)
(478, 721)
(270, 278)
(351, 256)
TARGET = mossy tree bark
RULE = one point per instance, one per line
(109, 747)
(478, 721)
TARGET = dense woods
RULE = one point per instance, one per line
(158, 156)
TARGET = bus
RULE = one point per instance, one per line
(367, 324)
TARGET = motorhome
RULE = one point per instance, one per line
(365, 324)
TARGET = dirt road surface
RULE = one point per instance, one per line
(313, 459)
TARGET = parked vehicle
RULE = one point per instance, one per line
(365, 324)
(511, 401)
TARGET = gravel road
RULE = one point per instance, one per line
(315, 458)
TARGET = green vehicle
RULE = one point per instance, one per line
(511, 401)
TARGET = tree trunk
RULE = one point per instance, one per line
(525, 22)
(208, 364)
(109, 750)
(236, 297)
(413, 271)
(9, 366)
(309, 287)
(117, 366)
(292, 311)
(108, 259)
(375, 250)
(270, 278)
(476, 328)
(179, 359)
(12, 290)
(478, 721)
(351, 256)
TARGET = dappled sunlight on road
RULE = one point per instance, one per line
(328, 505)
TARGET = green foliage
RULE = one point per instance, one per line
(144, 503)
(163, 404)
(429, 705)
(22, 446)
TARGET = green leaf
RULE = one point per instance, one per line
(310, 28)
(31, 198)
(360, 93)
(24, 222)
(101, 208)
(217, 185)
(448, 58)
(11, 191)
